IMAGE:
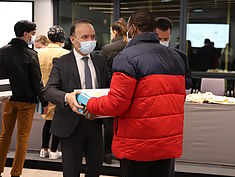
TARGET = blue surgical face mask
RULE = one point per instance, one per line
(87, 47)
(33, 38)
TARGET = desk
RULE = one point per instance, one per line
(209, 134)
(209, 138)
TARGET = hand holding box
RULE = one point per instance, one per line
(86, 94)
(82, 99)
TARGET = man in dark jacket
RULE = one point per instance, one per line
(147, 94)
(163, 27)
(20, 65)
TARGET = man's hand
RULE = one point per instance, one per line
(45, 110)
(72, 101)
(4, 99)
(88, 115)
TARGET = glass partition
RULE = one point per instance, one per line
(100, 13)
(211, 40)
(210, 35)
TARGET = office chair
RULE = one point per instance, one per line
(214, 85)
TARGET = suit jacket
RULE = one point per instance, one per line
(64, 78)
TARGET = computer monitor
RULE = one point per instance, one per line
(217, 33)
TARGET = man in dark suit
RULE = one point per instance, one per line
(80, 69)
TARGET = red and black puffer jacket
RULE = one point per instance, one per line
(147, 94)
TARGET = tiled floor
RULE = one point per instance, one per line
(37, 173)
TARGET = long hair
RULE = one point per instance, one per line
(121, 28)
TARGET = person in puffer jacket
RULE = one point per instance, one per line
(146, 96)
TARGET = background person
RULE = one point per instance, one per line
(20, 65)
(146, 97)
(68, 44)
(118, 42)
(109, 51)
(206, 56)
(56, 35)
(163, 27)
(41, 41)
(80, 69)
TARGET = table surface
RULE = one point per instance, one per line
(209, 134)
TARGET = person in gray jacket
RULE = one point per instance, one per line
(118, 42)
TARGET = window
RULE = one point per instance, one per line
(100, 13)
(162, 8)
(215, 21)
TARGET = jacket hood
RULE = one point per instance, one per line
(144, 37)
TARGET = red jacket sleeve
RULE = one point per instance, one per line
(118, 99)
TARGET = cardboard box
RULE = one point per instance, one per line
(86, 94)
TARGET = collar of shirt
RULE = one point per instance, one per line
(80, 66)
(78, 56)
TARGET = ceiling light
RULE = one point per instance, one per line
(166, 0)
(198, 10)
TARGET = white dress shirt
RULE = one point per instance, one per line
(81, 66)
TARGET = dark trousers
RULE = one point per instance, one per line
(159, 168)
(46, 135)
(87, 141)
(172, 168)
(108, 136)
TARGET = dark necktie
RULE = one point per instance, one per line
(88, 82)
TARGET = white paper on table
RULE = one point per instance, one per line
(95, 93)
(5, 93)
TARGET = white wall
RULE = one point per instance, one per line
(8, 20)
(43, 15)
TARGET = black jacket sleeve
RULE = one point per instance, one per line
(36, 76)
(188, 74)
